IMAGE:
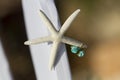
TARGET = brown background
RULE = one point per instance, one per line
(97, 25)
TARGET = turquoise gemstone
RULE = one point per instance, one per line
(81, 54)
(74, 49)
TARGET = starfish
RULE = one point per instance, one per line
(56, 37)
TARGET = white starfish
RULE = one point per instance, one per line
(56, 37)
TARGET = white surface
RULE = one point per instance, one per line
(4, 67)
(41, 52)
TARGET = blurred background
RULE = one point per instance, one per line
(13, 35)
(98, 25)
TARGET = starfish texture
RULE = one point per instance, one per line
(57, 36)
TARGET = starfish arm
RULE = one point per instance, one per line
(74, 42)
(53, 54)
(38, 40)
(47, 22)
(68, 22)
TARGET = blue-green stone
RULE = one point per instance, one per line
(74, 49)
(81, 54)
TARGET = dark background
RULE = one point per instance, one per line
(13, 35)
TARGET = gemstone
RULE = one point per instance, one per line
(74, 49)
(81, 54)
